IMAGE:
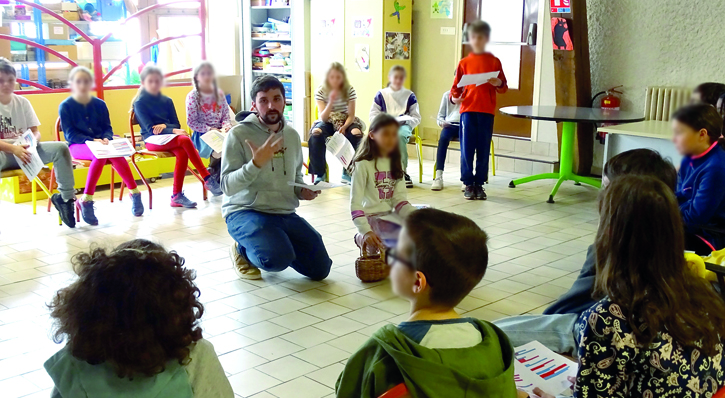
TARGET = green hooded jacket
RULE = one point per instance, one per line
(390, 358)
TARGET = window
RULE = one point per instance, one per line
(506, 19)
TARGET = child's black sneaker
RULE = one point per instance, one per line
(66, 209)
(480, 192)
(470, 192)
(408, 181)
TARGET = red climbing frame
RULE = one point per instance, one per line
(97, 45)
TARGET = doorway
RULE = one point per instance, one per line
(511, 21)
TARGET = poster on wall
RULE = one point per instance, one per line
(398, 9)
(362, 57)
(441, 9)
(362, 27)
(397, 45)
(326, 27)
(560, 6)
(560, 34)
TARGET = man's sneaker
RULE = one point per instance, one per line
(243, 269)
(321, 178)
(346, 178)
(87, 212)
(470, 192)
(463, 187)
(408, 181)
(212, 185)
(66, 209)
(437, 184)
(179, 200)
(480, 193)
(136, 204)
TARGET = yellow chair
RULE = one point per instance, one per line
(493, 162)
(33, 186)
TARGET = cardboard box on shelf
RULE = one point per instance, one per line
(72, 15)
(69, 51)
(58, 31)
(69, 6)
(5, 44)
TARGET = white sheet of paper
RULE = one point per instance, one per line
(404, 118)
(31, 169)
(215, 139)
(161, 139)
(476, 79)
(320, 186)
(537, 366)
(116, 148)
(343, 150)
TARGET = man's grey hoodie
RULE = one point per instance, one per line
(265, 189)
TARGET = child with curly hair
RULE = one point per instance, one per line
(131, 325)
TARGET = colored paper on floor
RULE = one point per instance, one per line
(537, 366)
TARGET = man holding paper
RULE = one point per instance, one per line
(16, 117)
(262, 156)
(479, 78)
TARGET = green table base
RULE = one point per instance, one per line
(566, 165)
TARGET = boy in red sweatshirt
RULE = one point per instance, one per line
(478, 105)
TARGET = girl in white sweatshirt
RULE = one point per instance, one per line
(401, 103)
(378, 201)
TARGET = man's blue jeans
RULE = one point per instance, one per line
(555, 332)
(273, 242)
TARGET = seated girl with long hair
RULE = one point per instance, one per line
(84, 117)
(156, 115)
(658, 330)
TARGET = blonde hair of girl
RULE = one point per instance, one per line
(77, 70)
(345, 90)
(149, 69)
(195, 82)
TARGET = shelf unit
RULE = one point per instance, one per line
(294, 75)
(41, 63)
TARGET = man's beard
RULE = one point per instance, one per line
(272, 117)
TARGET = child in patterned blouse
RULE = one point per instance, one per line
(657, 331)
(206, 110)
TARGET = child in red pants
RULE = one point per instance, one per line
(85, 118)
(156, 114)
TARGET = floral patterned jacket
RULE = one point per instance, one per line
(612, 365)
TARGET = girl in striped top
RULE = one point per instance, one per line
(336, 106)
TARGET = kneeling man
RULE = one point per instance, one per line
(262, 155)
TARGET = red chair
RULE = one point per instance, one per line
(157, 154)
(399, 391)
(86, 163)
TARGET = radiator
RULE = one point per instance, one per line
(661, 102)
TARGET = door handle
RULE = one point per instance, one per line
(531, 36)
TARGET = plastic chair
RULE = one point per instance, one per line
(86, 163)
(399, 391)
(34, 187)
(157, 154)
(493, 163)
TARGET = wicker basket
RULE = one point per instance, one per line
(371, 268)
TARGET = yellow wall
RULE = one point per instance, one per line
(434, 62)
(119, 103)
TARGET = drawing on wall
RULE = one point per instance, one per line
(326, 27)
(441, 9)
(398, 9)
(362, 27)
(362, 57)
(560, 34)
(397, 45)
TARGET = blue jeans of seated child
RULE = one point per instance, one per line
(476, 135)
(274, 242)
(555, 332)
(448, 134)
(404, 134)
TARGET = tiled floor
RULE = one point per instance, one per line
(286, 336)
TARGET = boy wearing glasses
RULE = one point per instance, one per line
(439, 259)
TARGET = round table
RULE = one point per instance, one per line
(569, 116)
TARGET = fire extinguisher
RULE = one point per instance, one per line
(610, 101)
